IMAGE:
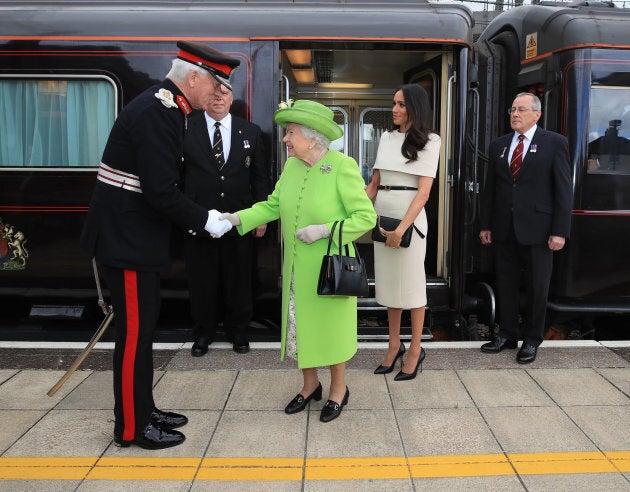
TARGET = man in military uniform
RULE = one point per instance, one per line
(136, 199)
(231, 177)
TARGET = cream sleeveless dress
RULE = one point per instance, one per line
(399, 273)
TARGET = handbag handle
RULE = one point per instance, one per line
(330, 238)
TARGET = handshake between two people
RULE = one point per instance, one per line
(220, 223)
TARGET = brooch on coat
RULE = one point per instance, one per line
(248, 161)
(533, 148)
(325, 168)
(246, 144)
(503, 153)
(166, 98)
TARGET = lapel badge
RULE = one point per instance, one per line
(503, 153)
(246, 144)
(533, 148)
(248, 161)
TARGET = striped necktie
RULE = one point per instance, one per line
(217, 146)
(517, 157)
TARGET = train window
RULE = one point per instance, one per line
(609, 130)
(55, 122)
(372, 122)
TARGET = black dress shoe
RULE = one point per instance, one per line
(332, 409)
(299, 402)
(168, 420)
(498, 344)
(200, 347)
(153, 437)
(240, 346)
(387, 369)
(406, 376)
(527, 353)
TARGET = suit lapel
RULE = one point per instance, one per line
(530, 155)
(504, 164)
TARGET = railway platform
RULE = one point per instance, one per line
(469, 421)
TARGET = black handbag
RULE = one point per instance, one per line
(342, 275)
(389, 224)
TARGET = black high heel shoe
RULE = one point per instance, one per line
(387, 369)
(299, 402)
(404, 376)
(332, 409)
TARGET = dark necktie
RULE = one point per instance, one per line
(517, 157)
(217, 146)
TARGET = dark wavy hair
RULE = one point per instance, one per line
(418, 113)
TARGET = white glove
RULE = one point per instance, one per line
(312, 233)
(234, 219)
(215, 226)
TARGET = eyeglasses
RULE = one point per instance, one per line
(520, 110)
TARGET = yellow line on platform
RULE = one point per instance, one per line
(245, 469)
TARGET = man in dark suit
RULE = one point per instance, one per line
(526, 213)
(225, 169)
(135, 200)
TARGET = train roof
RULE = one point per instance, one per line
(560, 26)
(210, 19)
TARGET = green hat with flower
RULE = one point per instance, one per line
(311, 114)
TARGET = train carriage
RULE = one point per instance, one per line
(68, 67)
(576, 58)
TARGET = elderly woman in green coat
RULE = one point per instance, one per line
(317, 187)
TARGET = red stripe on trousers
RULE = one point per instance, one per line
(129, 355)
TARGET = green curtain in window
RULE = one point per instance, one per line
(54, 123)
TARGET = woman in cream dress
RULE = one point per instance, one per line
(406, 164)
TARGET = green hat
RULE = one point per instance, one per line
(310, 114)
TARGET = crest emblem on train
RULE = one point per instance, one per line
(13, 252)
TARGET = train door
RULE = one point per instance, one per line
(358, 82)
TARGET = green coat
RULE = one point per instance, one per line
(330, 190)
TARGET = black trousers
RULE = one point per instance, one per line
(136, 300)
(220, 284)
(533, 264)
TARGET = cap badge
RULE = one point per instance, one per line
(166, 98)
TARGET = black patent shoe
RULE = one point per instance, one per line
(332, 409)
(200, 347)
(299, 402)
(153, 437)
(168, 420)
(404, 376)
(387, 369)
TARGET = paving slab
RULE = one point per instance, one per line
(15, 424)
(445, 431)
(355, 433)
(478, 484)
(535, 430)
(264, 390)
(504, 387)
(27, 389)
(430, 389)
(66, 433)
(6, 374)
(135, 486)
(196, 389)
(620, 377)
(583, 386)
(274, 434)
(607, 426)
(38, 485)
(359, 486)
(596, 482)
(236, 486)
(199, 431)
(94, 392)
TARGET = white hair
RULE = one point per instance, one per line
(320, 139)
(536, 105)
(180, 69)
